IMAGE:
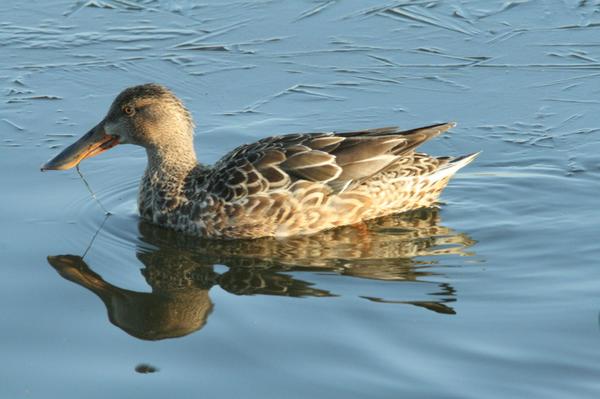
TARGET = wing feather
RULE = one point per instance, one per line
(339, 160)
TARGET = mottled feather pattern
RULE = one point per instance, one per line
(300, 184)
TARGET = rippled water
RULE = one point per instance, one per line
(493, 295)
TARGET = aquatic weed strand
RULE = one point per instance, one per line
(87, 185)
(95, 235)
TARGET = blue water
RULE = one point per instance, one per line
(493, 295)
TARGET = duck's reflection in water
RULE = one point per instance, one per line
(180, 269)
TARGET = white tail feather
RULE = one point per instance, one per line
(453, 166)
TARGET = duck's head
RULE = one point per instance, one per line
(148, 115)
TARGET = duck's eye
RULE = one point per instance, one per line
(128, 110)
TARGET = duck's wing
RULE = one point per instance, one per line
(339, 160)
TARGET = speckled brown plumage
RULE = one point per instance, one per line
(303, 183)
(280, 186)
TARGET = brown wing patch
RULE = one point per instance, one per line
(325, 143)
(364, 168)
(313, 165)
(275, 177)
(268, 158)
(307, 159)
(360, 148)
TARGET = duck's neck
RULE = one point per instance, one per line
(171, 162)
(163, 186)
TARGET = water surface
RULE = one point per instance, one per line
(493, 295)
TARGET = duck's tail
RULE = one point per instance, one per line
(453, 166)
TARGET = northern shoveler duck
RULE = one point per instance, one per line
(278, 186)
